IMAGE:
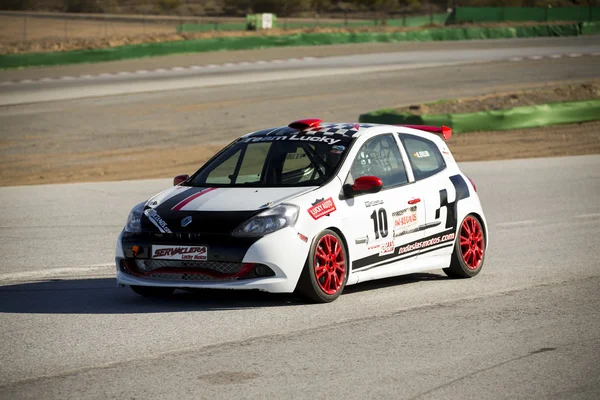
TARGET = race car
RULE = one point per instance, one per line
(310, 208)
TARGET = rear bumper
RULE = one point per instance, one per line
(282, 251)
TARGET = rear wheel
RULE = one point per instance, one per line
(469, 250)
(153, 291)
(326, 271)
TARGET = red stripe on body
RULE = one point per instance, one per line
(187, 200)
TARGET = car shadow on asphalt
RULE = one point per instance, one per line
(102, 296)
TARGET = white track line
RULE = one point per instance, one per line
(516, 223)
(573, 55)
(54, 272)
(516, 59)
(556, 56)
(535, 57)
(588, 215)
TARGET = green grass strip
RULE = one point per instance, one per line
(258, 42)
(514, 118)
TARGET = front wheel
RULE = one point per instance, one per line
(153, 291)
(326, 271)
(469, 250)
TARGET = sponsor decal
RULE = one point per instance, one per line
(312, 138)
(421, 154)
(435, 242)
(375, 246)
(373, 203)
(337, 149)
(387, 248)
(425, 243)
(268, 204)
(302, 237)
(321, 207)
(157, 220)
(196, 253)
(405, 221)
(186, 221)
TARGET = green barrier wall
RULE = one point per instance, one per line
(305, 39)
(521, 14)
(590, 28)
(516, 118)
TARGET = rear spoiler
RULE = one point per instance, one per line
(443, 130)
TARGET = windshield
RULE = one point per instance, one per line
(273, 164)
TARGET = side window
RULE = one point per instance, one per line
(380, 157)
(424, 155)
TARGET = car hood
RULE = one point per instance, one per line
(189, 199)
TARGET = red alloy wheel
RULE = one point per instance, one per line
(471, 243)
(330, 264)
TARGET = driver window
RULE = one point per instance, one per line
(380, 157)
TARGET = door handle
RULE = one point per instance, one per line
(414, 201)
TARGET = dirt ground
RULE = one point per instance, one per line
(143, 163)
(31, 35)
(503, 101)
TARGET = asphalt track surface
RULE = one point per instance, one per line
(526, 327)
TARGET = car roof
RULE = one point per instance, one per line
(350, 130)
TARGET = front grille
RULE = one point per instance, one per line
(173, 270)
(187, 277)
(220, 267)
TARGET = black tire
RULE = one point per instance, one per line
(322, 290)
(468, 257)
(153, 291)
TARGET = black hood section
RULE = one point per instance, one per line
(206, 222)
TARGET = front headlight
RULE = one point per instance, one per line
(269, 221)
(134, 220)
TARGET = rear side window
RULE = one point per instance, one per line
(424, 155)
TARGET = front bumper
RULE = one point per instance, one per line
(282, 251)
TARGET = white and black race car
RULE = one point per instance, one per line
(310, 207)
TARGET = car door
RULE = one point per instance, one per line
(384, 224)
(440, 192)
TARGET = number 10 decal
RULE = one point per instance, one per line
(380, 228)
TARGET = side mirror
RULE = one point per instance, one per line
(180, 178)
(363, 184)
